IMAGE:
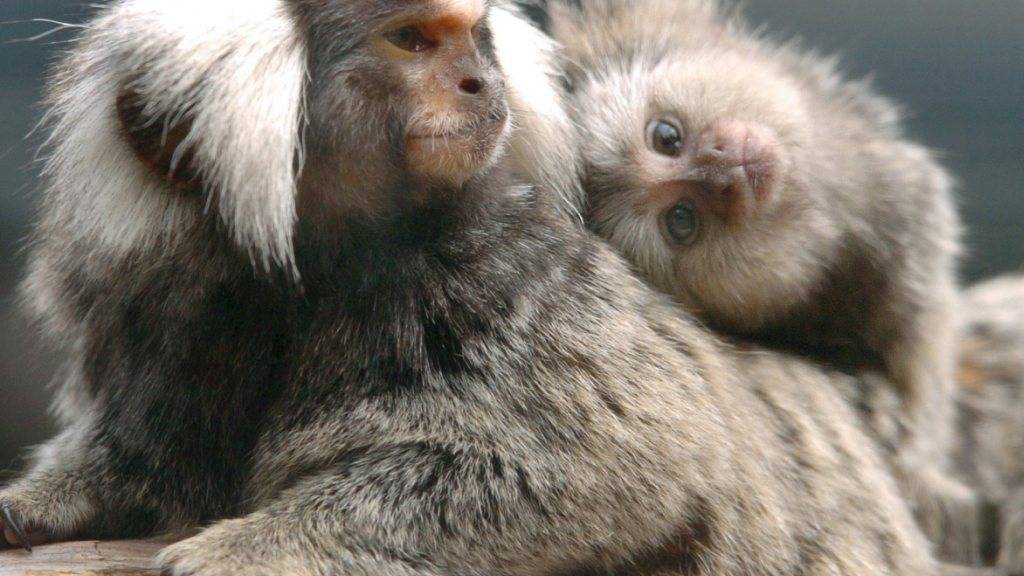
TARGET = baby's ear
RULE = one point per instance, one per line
(207, 97)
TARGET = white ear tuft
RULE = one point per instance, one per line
(235, 69)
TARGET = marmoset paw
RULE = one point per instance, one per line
(225, 549)
(20, 527)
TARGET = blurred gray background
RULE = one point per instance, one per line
(958, 66)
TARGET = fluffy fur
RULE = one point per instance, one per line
(345, 369)
(991, 417)
(838, 241)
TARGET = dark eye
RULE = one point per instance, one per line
(410, 39)
(665, 138)
(681, 222)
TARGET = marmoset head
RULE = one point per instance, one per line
(343, 107)
(695, 171)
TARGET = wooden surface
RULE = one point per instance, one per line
(136, 559)
(83, 559)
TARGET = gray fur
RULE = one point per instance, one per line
(464, 381)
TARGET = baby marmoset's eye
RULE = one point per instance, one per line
(409, 38)
(665, 138)
(682, 223)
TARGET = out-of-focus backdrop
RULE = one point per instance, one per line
(957, 65)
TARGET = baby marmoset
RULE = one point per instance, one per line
(778, 202)
(312, 310)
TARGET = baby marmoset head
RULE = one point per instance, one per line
(697, 170)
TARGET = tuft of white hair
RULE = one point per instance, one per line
(235, 69)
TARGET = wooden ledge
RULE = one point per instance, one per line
(135, 558)
(83, 559)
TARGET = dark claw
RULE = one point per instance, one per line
(14, 523)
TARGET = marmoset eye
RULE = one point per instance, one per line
(682, 223)
(410, 39)
(665, 138)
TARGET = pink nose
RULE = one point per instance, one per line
(740, 161)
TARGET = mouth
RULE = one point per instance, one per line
(461, 131)
(455, 150)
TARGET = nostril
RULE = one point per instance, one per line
(471, 85)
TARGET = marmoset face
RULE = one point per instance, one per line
(414, 85)
(692, 171)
